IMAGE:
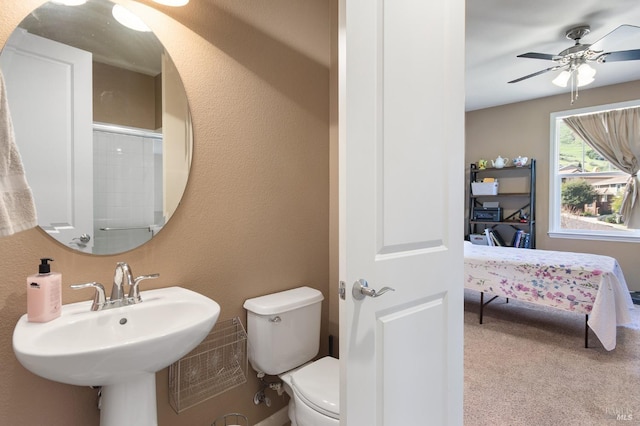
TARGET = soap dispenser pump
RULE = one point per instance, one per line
(44, 293)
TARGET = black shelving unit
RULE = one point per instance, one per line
(510, 222)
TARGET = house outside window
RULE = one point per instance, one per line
(586, 190)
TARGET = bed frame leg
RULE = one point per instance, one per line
(586, 331)
(482, 303)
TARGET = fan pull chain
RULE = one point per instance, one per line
(574, 87)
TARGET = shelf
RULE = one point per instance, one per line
(504, 194)
(494, 169)
(505, 222)
(525, 200)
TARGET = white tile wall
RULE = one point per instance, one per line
(127, 185)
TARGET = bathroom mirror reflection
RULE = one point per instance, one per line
(102, 123)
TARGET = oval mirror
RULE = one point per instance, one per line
(102, 124)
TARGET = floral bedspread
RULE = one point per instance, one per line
(577, 282)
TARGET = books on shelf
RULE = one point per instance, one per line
(520, 239)
(490, 241)
(498, 238)
(517, 237)
(494, 238)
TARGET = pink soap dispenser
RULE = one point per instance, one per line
(44, 293)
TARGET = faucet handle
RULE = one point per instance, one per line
(99, 299)
(134, 289)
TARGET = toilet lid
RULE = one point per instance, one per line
(318, 384)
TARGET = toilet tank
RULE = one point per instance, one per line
(283, 329)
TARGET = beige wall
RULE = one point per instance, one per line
(124, 97)
(255, 215)
(523, 129)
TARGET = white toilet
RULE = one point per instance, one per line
(283, 331)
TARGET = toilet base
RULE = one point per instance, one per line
(301, 414)
(307, 416)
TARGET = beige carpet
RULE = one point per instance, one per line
(527, 365)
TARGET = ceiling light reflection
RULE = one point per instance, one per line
(172, 2)
(128, 19)
(69, 2)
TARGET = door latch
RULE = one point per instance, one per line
(361, 289)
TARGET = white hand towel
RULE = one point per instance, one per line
(17, 209)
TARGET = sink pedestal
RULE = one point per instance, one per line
(132, 402)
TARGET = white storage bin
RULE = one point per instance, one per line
(478, 239)
(484, 188)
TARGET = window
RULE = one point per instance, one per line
(586, 190)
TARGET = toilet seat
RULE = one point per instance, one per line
(318, 386)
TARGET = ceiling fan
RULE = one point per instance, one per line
(574, 61)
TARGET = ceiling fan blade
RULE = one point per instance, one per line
(622, 55)
(622, 38)
(536, 73)
(535, 55)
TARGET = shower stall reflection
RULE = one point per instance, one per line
(127, 181)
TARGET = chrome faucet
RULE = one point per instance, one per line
(121, 278)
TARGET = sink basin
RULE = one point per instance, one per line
(117, 347)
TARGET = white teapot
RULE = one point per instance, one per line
(520, 161)
(500, 162)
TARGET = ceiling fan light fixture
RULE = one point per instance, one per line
(582, 76)
(585, 75)
(584, 81)
(562, 79)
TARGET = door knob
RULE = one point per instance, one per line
(361, 289)
(81, 241)
(84, 238)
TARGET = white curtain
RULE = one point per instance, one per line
(616, 136)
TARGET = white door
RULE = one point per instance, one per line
(49, 87)
(401, 211)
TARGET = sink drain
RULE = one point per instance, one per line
(123, 321)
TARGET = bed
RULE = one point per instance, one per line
(588, 284)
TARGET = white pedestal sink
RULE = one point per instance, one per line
(119, 349)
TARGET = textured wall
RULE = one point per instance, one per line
(255, 215)
(523, 129)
